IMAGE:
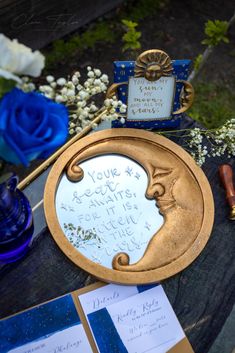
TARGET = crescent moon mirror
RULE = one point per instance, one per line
(128, 206)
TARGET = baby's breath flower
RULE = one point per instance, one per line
(83, 94)
(77, 74)
(98, 89)
(103, 87)
(97, 82)
(93, 108)
(79, 87)
(115, 104)
(61, 81)
(104, 78)
(27, 87)
(50, 78)
(91, 74)
(59, 98)
(65, 98)
(76, 95)
(25, 79)
(97, 72)
(70, 85)
(64, 91)
(53, 84)
(75, 80)
(123, 108)
(220, 141)
(107, 102)
(70, 93)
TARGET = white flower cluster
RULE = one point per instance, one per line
(221, 141)
(77, 97)
(114, 108)
(26, 85)
(197, 150)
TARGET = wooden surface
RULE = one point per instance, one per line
(39, 22)
(202, 295)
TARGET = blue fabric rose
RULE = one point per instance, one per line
(31, 126)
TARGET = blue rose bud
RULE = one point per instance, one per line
(31, 126)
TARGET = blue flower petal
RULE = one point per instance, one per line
(31, 126)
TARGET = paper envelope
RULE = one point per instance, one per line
(183, 346)
(57, 315)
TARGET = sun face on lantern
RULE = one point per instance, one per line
(153, 64)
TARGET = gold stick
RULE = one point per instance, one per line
(52, 158)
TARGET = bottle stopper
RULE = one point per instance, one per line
(226, 176)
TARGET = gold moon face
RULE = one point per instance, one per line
(175, 182)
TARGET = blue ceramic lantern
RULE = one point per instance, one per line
(16, 220)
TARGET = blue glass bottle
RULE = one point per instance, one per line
(16, 220)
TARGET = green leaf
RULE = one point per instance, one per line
(216, 32)
(6, 86)
(130, 24)
(197, 62)
(131, 37)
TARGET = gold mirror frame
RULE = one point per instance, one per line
(178, 185)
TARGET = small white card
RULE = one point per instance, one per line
(150, 100)
(70, 340)
(141, 323)
(107, 295)
(102, 297)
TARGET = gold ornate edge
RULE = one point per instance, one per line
(187, 97)
(153, 64)
(26, 181)
(116, 276)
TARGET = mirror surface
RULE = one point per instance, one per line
(107, 212)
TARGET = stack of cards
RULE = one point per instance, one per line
(51, 327)
(137, 319)
(117, 319)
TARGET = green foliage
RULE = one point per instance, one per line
(214, 104)
(106, 31)
(62, 49)
(197, 62)
(6, 86)
(131, 37)
(216, 32)
(141, 9)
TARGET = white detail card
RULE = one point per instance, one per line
(142, 323)
(70, 340)
(147, 322)
(104, 296)
(150, 100)
(107, 295)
